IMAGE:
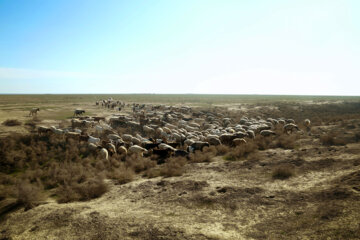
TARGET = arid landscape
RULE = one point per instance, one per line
(268, 167)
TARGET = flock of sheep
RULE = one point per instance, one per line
(163, 130)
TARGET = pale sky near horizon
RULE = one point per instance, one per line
(302, 47)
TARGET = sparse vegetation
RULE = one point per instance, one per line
(11, 122)
(282, 172)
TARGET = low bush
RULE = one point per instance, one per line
(173, 167)
(11, 122)
(28, 194)
(282, 172)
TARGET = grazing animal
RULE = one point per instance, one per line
(198, 145)
(44, 130)
(104, 154)
(239, 141)
(122, 150)
(93, 140)
(290, 127)
(266, 133)
(78, 112)
(137, 149)
(34, 111)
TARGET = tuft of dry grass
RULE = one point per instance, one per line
(28, 194)
(282, 172)
(11, 122)
(331, 139)
(173, 167)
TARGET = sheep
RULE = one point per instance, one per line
(78, 112)
(113, 137)
(238, 141)
(72, 135)
(127, 137)
(163, 146)
(93, 140)
(43, 130)
(198, 145)
(122, 150)
(289, 128)
(137, 149)
(56, 130)
(34, 111)
(213, 140)
(111, 148)
(77, 123)
(104, 154)
(266, 133)
(251, 134)
(290, 121)
(148, 130)
(92, 146)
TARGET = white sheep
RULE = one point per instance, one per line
(104, 154)
(137, 149)
(93, 140)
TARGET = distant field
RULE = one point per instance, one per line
(29, 100)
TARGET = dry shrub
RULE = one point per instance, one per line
(87, 190)
(31, 124)
(121, 175)
(328, 211)
(173, 167)
(241, 151)
(139, 163)
(222, 149)
(153, 173)
(28, 194)
(11, 122)
(199, 157)
(282, 172)
(331, 139)
(285, 141)
(263, 143)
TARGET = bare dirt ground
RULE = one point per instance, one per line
(213, 200)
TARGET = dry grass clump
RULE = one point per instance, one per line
(282, 172)
(173, 167)
(241, 151)
(331, 139)
(222, 149)
(11, 122)
(139, 163)
(28, 194)
(122, 175)
(286, 141)
(201, 156)
(92, 188)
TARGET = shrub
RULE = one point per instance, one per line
(199, 156)
(28, 194)
(173, 167)
(331, 139)
(11, 122)
(282, 172)
(121, 175)
(87, 190)
(285, 141)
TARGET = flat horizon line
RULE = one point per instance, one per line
(225, 94)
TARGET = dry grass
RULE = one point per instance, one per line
(282, 172)
(11, 122)
(28, 194)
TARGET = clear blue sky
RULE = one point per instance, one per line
(180, 46)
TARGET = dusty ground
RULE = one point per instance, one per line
(217, 200)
